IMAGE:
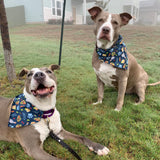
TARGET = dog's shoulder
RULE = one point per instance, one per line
(132, 62)
(5, 101)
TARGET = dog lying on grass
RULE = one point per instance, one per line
(29, 117)
(113, 64)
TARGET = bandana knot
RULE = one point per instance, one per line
(23, 113)
(116, 55)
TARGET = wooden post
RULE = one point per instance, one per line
(6, 43)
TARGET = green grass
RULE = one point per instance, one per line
(133, 133)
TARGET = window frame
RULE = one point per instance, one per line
(57, 9)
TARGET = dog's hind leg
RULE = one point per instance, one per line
(140, 91)
(96, 147)
(29, 139)
(140, 88)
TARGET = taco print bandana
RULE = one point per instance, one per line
(116, 56)
(23, 113)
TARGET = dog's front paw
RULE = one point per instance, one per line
(98, 102)
(116, 109)
(99, 149)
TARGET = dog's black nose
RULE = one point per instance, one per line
(106, 30)
(39, 76)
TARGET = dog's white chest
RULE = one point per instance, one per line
(54, 124)
(106, 73)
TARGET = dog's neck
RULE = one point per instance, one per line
(43, 104)
(115, 55)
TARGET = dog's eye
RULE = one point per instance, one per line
(101, 20)
(48, 71)
(30, 74)
(115, 22)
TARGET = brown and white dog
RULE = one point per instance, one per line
(132, 80)
(40, 90)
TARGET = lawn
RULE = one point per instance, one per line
(133, 133)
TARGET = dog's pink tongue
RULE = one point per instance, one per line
(42, 91)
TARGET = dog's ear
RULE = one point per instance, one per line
(125, 18)
(54, 67)
(23, 72)
(94, 12)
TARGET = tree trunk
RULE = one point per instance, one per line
(6, 43)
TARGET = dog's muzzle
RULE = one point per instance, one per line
(42, 90)
(105, 34)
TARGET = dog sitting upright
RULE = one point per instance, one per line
(28, 118)
(113, 64)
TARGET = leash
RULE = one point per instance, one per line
(60, 141)
(66, 146)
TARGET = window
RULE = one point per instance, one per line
(57, 7)
(53, 7)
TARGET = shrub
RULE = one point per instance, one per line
(59, 21)
(69, 22)
(54, 21)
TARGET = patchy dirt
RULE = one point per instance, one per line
(71, 32)
(138, 38)
(84, 32)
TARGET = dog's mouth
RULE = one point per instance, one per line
(105, 37)
(43, 91)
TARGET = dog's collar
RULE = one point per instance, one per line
(48, 113)
(23, 113)
(116, 55)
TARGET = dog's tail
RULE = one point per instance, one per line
(153, 84)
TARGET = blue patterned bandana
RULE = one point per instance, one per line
(116, 55)
(23, 113)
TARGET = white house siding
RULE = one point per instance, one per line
(79, 19)
(68, 13)
(68, 16)
(47, 11)
(158, 19)
(48, 15)
(79, 11)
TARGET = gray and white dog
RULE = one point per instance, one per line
(40, 90)
(108, 68)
